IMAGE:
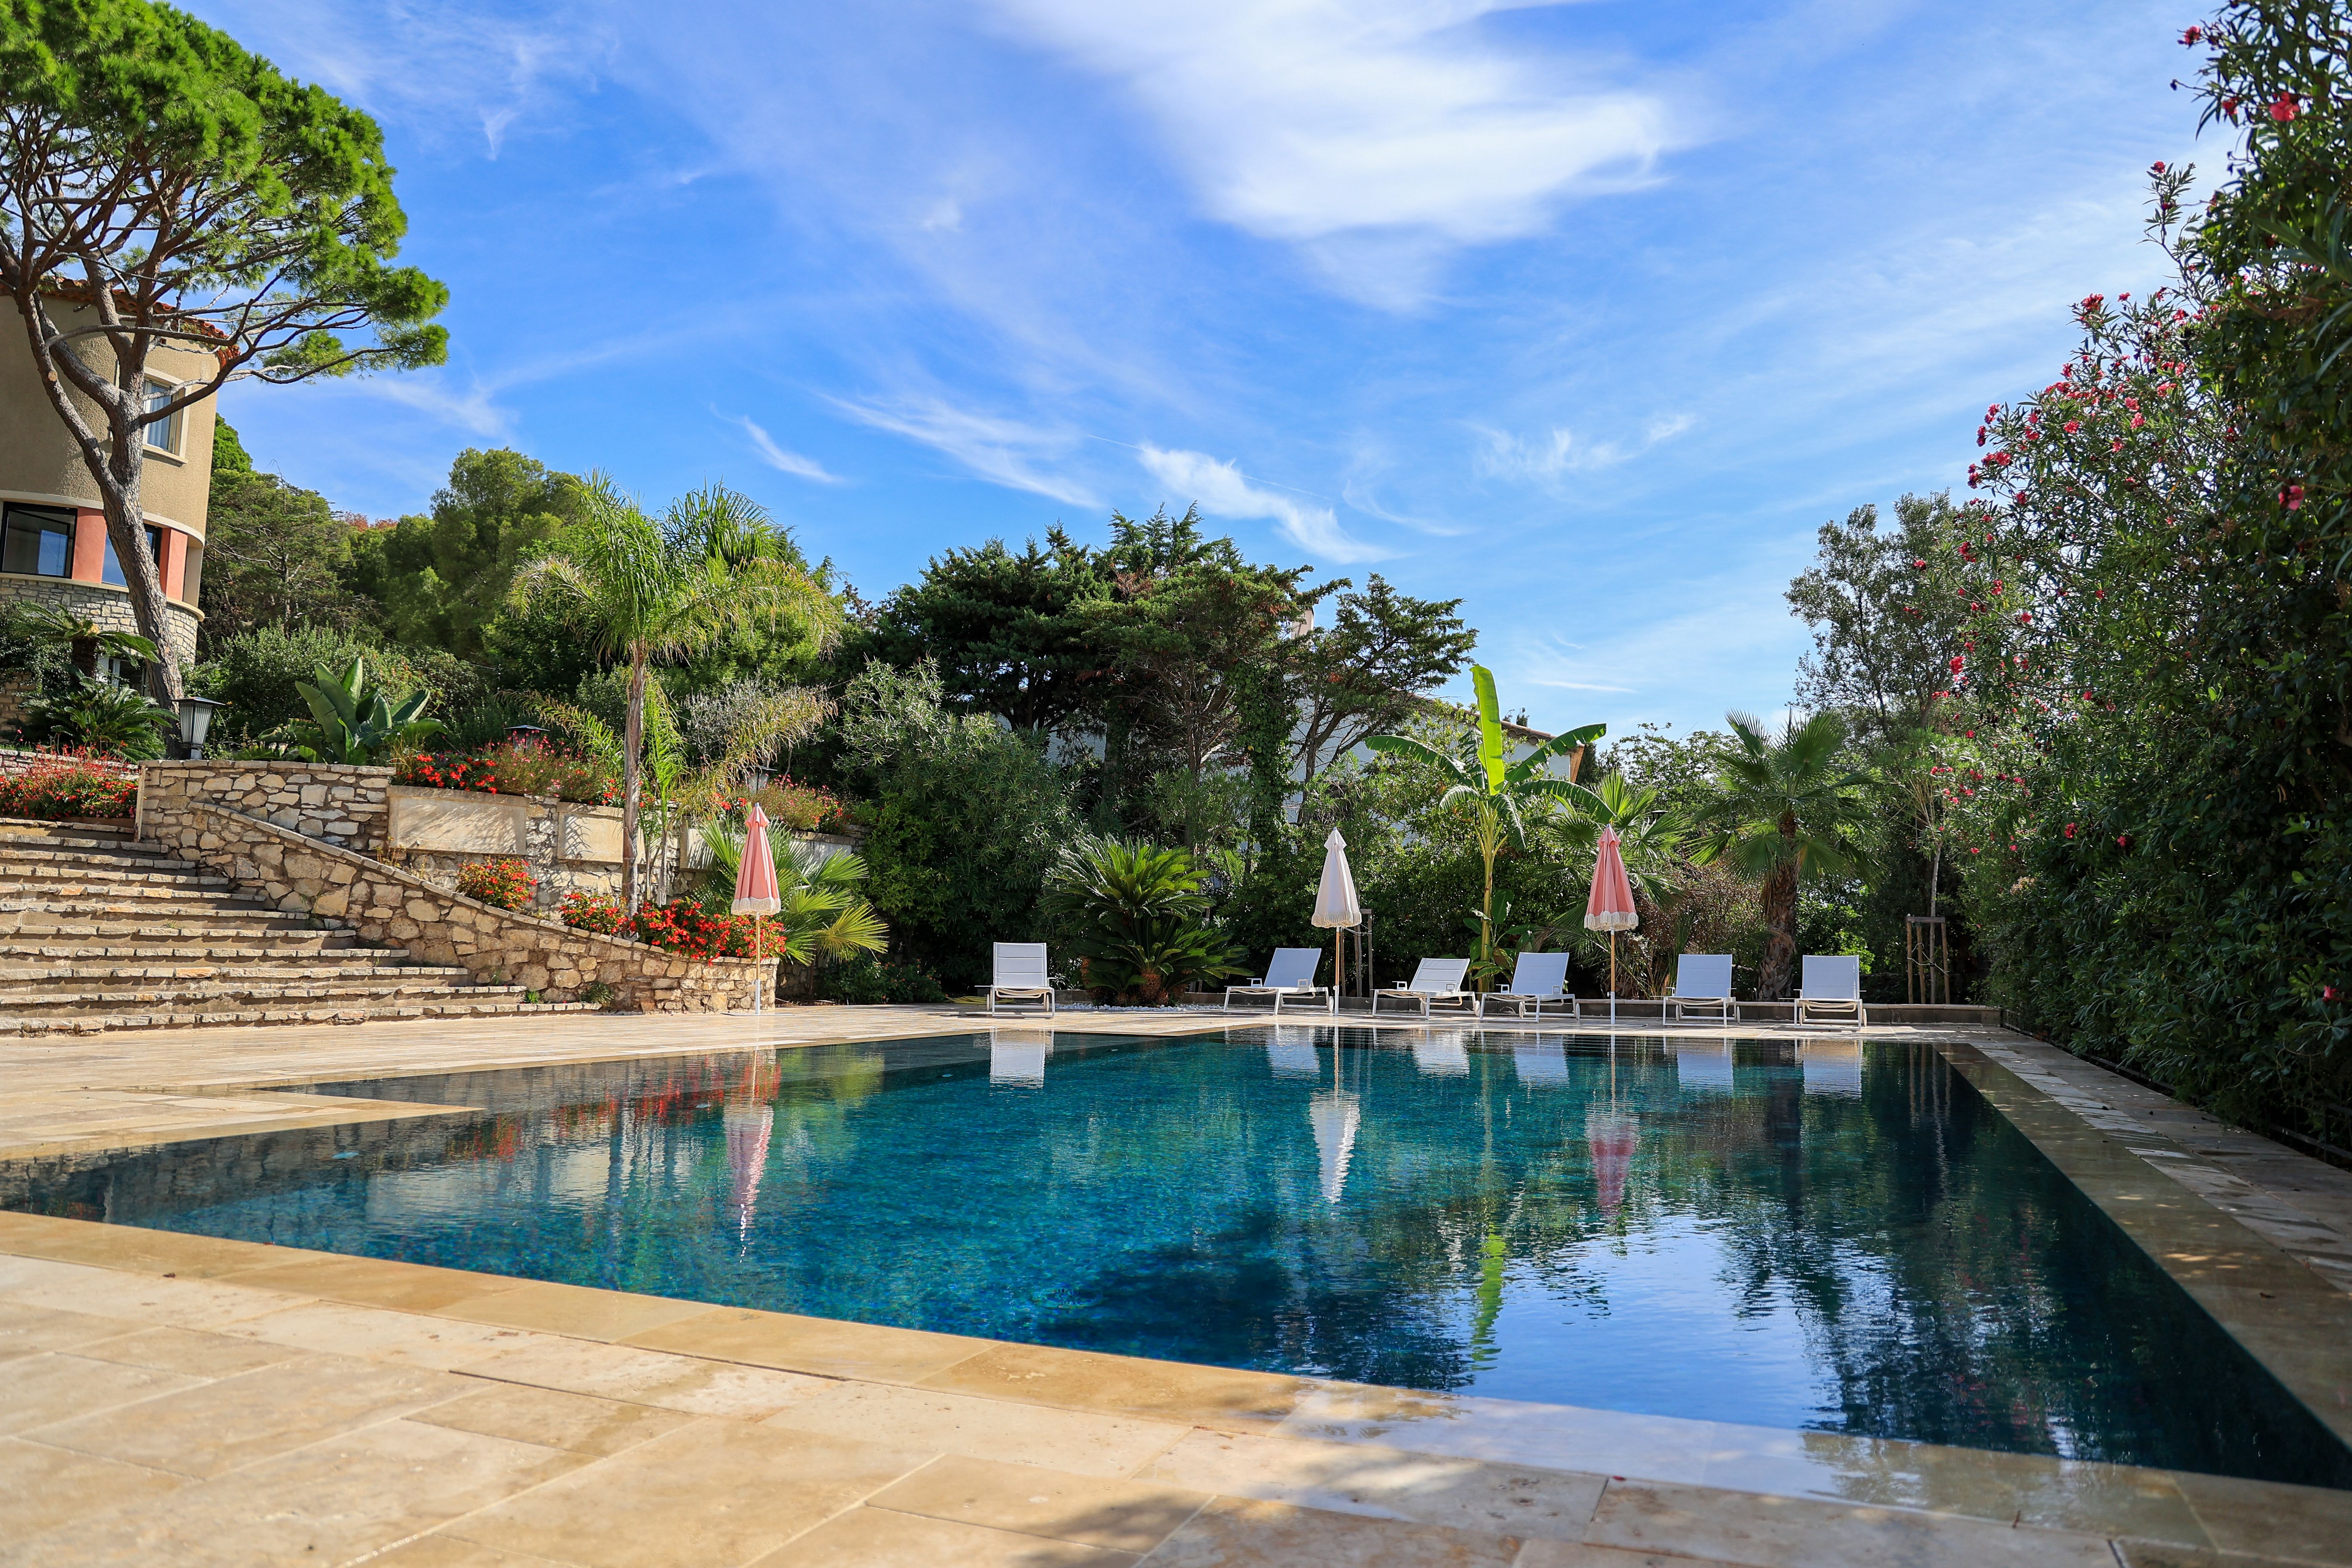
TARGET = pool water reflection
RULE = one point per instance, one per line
(1824, 1234)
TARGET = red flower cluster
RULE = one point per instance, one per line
(599, 912)
(503, 884)
(67, 783)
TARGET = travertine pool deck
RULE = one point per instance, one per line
(169, 1398)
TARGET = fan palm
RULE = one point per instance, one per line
(1653, 841)
(823, 914)
(666, 590)
(1785, 809)
(1495, 790)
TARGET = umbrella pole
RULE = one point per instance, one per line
(1613, 988)
(759, 928)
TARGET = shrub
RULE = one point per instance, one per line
(513, 767)
(867, 981)
(102, 719)
(505, 884)
(62, 786)
(803, 808)
(1138, 917)
(599, 912)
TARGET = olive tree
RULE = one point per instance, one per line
(177, 188)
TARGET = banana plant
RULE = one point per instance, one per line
(1493, 789)
(352, 722)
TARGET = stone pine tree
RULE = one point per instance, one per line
(179, 189)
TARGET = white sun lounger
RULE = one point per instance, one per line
(1021, 975)
(1538, 978)
(1831, 981)
(1436, 980)
(1703, 980)
(1291, 974)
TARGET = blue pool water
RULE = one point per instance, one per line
(1843, 1237)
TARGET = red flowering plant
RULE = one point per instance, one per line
(804, 808)
(61, 785)
(513, 767)
(506, 883)
(599, 912)
(683, 925)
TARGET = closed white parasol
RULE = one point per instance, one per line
(1335, 909)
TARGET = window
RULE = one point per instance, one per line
(112, 570)
(37, 540)
(164, 434)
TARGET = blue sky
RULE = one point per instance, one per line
(1590, 314)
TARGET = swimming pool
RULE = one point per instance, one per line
(1832, 1235)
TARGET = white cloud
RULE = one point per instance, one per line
(1301, 120)
(1548, 457)
(776, 458)
(1223, 490)
(1001, 451)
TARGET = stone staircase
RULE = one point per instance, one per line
(100, 931)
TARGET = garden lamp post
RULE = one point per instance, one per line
(195, 722)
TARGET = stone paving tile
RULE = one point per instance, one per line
(1238, 1533)
(41, 1487)
(46, 1389)
(574, 1309)
(1077, 1441)
(1385, 1483)
(449, 1551)
(211, 1428)
(402, 1339)
(827, 1346)
(2313, 1524)
(1131, 1516)
(157, 1252)
(28, 1331)
(1082, 1380)
(189, 1351)
(875, 1538)
(148, 1301)
(323, 1503)
(711, 1492)
(573, 1422)
(1582, 1554)
(1795, 1532)
(653, 1377)
(373, 1281)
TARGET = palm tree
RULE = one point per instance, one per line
(823, 914)
(1784, 809)
(666, 590)
(1495, 790)
(1656, 843)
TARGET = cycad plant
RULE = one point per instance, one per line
(1497, 791)
(1138, 915)
(664, 590)
(352, 721)
(1786, 807)
(823, 915)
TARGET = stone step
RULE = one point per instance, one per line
(42, 1002)
(18, 849)
(27, 912)
(99, 893)
(36, 876)
(165, 944)
(349, 965)
(105, 1023)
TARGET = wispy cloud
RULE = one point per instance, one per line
(1548, 457)
(1311, 121)
(1223, 490)
(779, 460)
(1003, 451)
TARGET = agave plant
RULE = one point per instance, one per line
(823, 915)
(1139, 913)
(352, 721)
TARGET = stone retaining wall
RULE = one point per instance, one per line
(334, 803)
(387, 904)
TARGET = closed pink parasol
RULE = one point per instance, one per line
(755, 885)
(1610, 907)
